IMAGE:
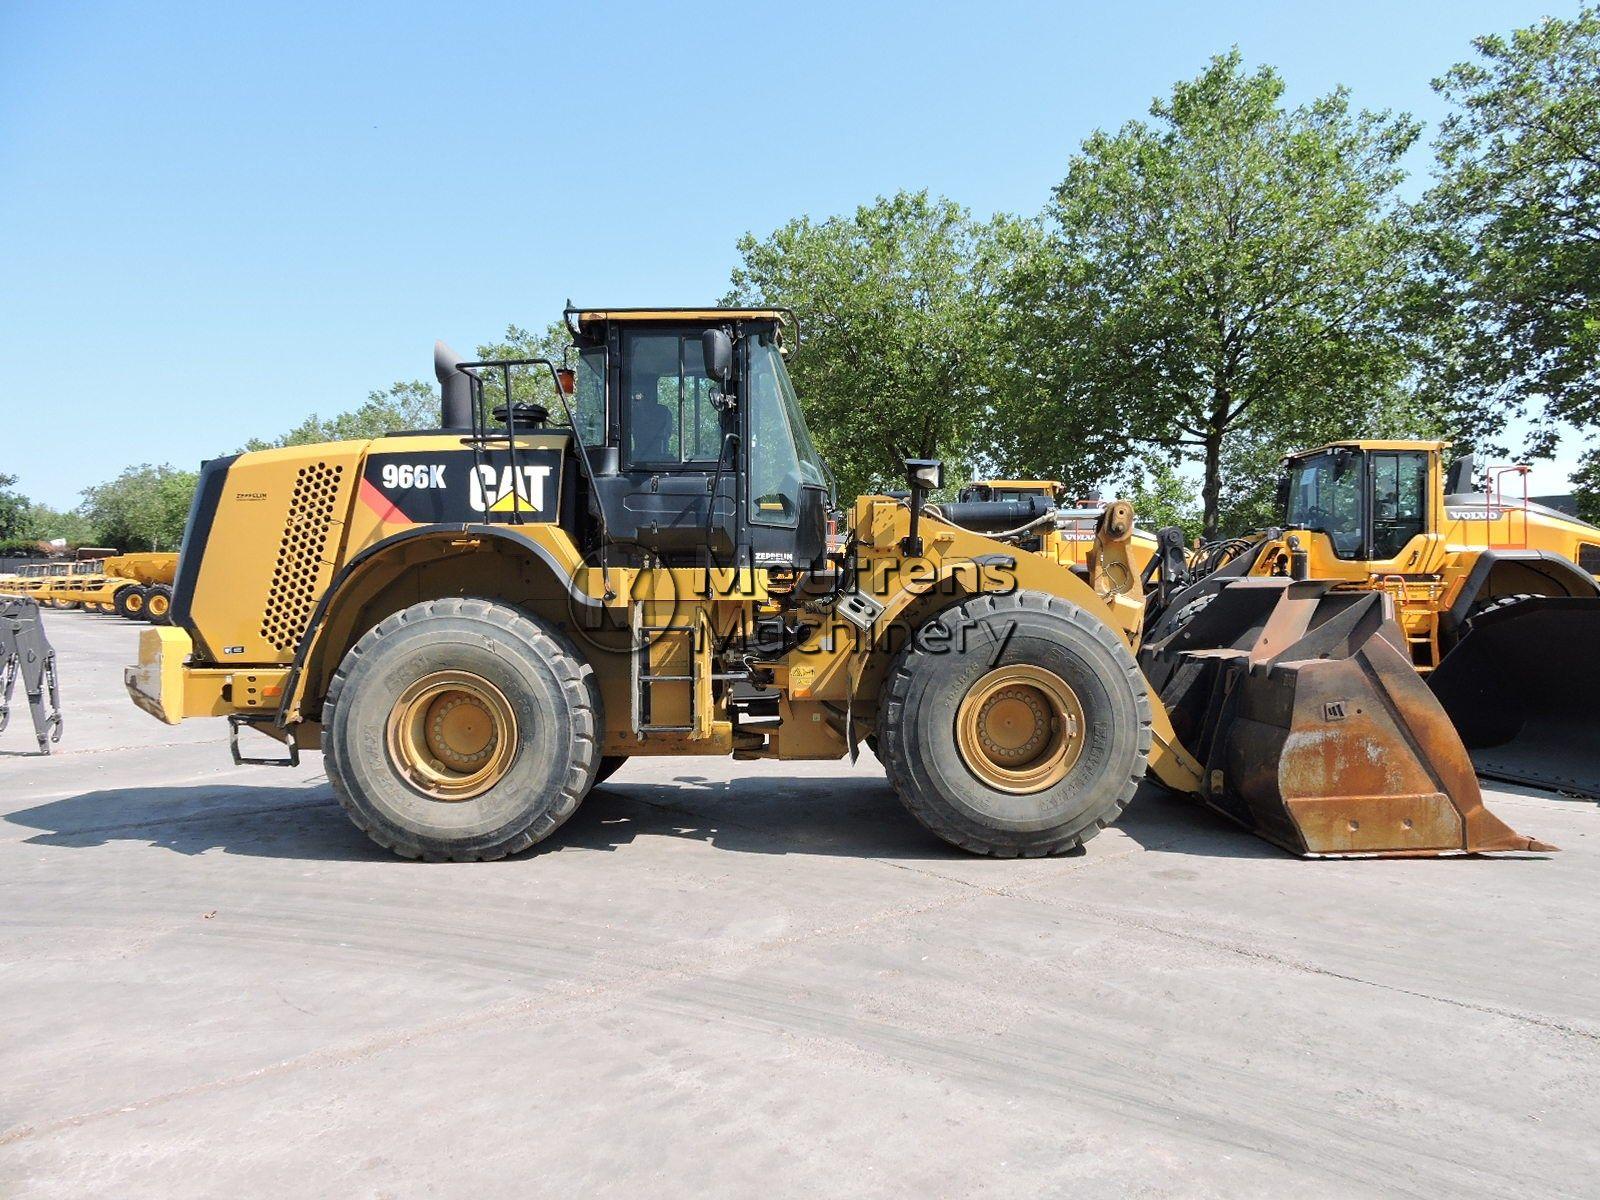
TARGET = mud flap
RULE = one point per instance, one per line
(1523, 689)
(1316, 731)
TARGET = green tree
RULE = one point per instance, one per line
(898, 307)
(1162, 497)
(144, 508)
(1513, 235)
(1223, 277)
(410, 404)
(1586, 482)
(13, 509)
(44, 524)
(528, 384)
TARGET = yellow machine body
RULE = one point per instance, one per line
(295, 559)
(1495, 594)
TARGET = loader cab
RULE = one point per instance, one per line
(1373, 502)
(700, 450)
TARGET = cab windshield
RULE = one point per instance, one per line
(781, 455)
(1325, 495)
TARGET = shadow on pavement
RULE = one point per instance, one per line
(849, 815)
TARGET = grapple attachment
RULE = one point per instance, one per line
(24, 652)
(1315, 730)
(1523, 689)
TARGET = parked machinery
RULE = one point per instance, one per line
(1495, 595)
(137, 587)
(477, 623)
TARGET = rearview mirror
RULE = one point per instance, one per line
(718, 349)
(1283, 494)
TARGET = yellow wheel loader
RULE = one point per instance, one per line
(478, 622)
(1495, 595)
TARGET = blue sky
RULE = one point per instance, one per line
(217, 218)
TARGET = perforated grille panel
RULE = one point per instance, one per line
(298, 578)
(1589, 557)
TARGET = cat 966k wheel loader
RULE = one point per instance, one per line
(475, 623)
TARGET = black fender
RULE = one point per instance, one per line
(192, 550)
(319, 615)
(1565, 576)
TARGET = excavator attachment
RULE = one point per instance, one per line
(24, 652)
(1314, 729)
(1523, 689)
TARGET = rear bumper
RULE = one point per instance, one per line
(157, 683)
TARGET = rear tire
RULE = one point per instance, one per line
(129, 603)
(1498, 602)
(999, 676)
(158, 604)
(411, 783)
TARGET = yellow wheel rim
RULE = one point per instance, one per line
(452, 734)
(134, 603)
(1020, 729)
(158, 605)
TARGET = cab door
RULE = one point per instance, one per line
(1401, 538)
(675, 424)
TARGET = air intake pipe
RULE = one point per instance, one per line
(455, 389)
(993, 516)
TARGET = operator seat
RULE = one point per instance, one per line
(651, 423)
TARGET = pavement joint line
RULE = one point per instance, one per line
(577, 997)
(1301, 965)
(87, 750)
(1223, 946)
(542, 1003)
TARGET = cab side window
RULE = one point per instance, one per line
(589, 401)
(1399, 501)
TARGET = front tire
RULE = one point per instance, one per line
(461, 729)
(1015, 725)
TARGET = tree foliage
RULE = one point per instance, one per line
(409, 404)
(1220, 279)
(1162, 497)
(528, 384)
(1513, 225)
(45, 524)
(144, 508)
(898, 306)
(13, 509)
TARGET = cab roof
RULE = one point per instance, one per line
(1370, 444)
(594, 316)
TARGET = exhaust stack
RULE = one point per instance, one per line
(455, 389)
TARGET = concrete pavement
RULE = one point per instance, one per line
(726, 979)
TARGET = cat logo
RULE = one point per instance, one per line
(509, 488)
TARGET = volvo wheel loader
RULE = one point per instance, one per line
(1495, 594)
(476, 623)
